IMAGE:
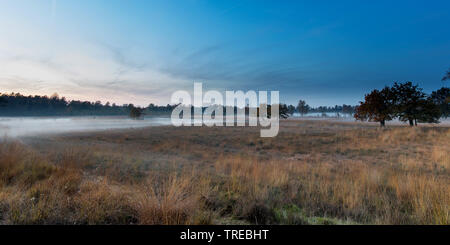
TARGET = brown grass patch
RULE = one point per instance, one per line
(312, 173)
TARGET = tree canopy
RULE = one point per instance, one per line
(409, 100)
(441, 97)
(378, 107)
(302, 107)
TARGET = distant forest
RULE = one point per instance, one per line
(404, 101)
(16, 104)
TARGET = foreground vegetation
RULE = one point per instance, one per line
(311, 173)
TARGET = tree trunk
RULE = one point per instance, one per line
(411, 122)
(382, 123)
(415, 122)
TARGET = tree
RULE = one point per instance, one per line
(429, 112)
(302, 107)
(441, 98)
(135, 112)
(284, 111)
(378, 106)
(447, 76)
(291, 109)
(409, 100)
(3, 101)
(348, 109)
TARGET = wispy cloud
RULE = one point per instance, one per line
(87, 71)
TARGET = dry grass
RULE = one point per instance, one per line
(312, 173)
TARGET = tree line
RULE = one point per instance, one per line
(16, 104)
(303, 109)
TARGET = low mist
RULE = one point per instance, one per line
(31, 126)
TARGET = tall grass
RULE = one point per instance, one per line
(326, 175)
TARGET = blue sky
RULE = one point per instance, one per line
(327, 52)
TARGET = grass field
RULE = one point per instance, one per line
(313, 172)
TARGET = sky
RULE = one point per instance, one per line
(140, 52)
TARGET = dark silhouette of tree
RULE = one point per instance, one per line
(409, 100)
(284, 111)
(378, 106)
(135, 112)
(3, 101)
(291, 109)
(428, 111)
(302, 107)
(441, 98)
(347, 109)
(159, 110)
(447, 76)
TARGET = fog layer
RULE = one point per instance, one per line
(17, 127)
